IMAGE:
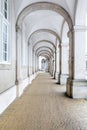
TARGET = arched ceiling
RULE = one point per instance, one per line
(44, 26)
(41, 36)
(41, 19)
(68, 5)
(44, 53)
(44, 43)
(42, 49)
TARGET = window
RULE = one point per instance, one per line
(5, 32)
(4, 37)
(5, 42)
(5, 9)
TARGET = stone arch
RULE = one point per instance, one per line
(44, 55)
(58, 9)
(45, 51)
(44, 6)
(45, 30)
(44, 47)
(45, 41)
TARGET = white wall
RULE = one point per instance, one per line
(7, 71)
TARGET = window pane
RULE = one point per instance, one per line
(5, 14)
(5, 9)
(6, 47)
(5, 43)
(5, 56)
(5, 6)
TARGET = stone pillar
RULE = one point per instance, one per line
(47, 65)
(76, 83)
(59, 74)
(18, 58)
(33, 62)
(30, 60)
(57, 63)
(51, 66)
(37, 63)
(54, 65)
(18, 54)
(64, 63)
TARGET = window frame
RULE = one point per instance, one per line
(5, 64)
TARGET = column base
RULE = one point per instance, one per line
(51, 73)
(63, 78)
(56, 75)
(58, 79)
(76, 88)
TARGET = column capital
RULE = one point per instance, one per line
(64, 44)
(59, 46)
(77, 28)
(57, 51)
(18, 28)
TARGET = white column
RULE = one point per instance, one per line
(57, 63)
(18, 54)
(54, 64)
(64, 62)
(30, 62)
(33, 61)
(37, 63)
(76, 84)
(18, 59)
(60, 53)
(79, 53)
(51, 66)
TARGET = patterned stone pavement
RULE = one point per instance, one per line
(44, 106)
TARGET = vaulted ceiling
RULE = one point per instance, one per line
(45, 27)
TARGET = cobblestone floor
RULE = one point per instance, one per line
(44, 106)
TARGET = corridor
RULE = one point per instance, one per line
(44, 106)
